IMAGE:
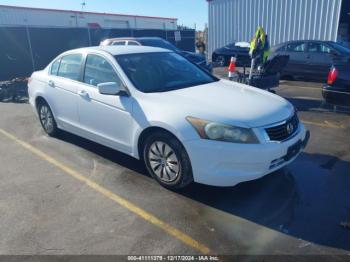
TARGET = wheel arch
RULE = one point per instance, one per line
(41, 98)
(38, 100)
(147, 132)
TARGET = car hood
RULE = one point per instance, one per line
(222, 101)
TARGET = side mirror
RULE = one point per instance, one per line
(110, 88)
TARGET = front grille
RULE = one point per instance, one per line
(285, 130)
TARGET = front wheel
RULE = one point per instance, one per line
(47, 119)
(221, 60)
(167, 161)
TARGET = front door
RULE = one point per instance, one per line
(106, 119)
(296, 66)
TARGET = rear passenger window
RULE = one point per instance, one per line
(54, 67)
(119, 43)
(98, 70)
(314, 47)
(70, 66)
(296, 47)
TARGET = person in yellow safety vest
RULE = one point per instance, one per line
(260, 47)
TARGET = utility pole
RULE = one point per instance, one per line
(83, 4)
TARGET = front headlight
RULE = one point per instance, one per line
(221, 132)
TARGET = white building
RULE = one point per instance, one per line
(39, 17)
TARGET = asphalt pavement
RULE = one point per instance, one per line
(67, 195)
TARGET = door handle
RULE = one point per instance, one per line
(51, 83)
(83, 93)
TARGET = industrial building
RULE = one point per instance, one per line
(31, 37)
(40, 17)
(283, 20)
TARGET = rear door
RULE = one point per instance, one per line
(296, 66)
(104, 118)
(62, 88)
(319, 60)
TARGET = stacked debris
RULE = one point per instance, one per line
(14, 90)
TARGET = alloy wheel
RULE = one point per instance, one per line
(164, 162)
(220, 60)
(46, 118)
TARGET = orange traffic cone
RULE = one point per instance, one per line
(232, 68)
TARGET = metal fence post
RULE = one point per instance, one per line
(30, 47)
(89, 35)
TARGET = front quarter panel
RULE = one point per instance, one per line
(151, 114)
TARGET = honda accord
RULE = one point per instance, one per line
(155, 105)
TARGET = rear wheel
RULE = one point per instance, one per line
(167, 161)
(47, 119)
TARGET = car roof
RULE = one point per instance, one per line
(307, 41)
(122, 50)
(133, 38)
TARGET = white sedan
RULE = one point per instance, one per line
(154, 105)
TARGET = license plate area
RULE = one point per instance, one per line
(293, 150)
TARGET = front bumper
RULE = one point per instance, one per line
(227, 164)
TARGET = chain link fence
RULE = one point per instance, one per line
(27, 49)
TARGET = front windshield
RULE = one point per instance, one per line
(340, 48)
(159, 43)
(162, 72)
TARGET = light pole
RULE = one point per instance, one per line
(83, 4)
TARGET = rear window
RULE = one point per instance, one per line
(162, 72)
(340, 48)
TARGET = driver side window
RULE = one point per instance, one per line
(98, 70)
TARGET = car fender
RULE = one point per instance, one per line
(180, 134)
(47, 99)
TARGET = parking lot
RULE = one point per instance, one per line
(67, 195)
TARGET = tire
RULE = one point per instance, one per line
(47, 119)
(221, 60)
(167, 161)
